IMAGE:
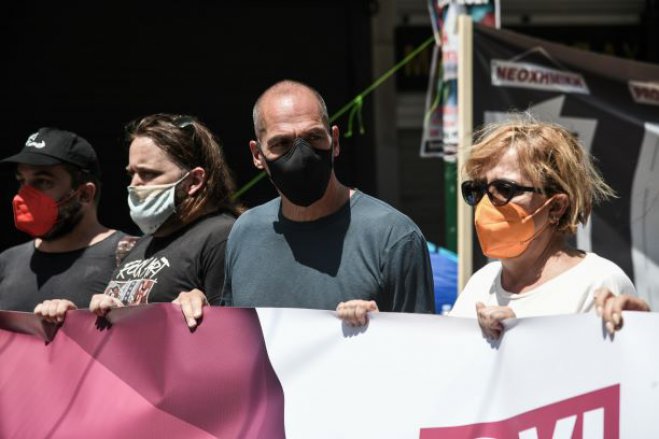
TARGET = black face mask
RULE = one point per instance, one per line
(302, 174)
(69, 216)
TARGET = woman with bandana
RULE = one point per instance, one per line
(179, 196)
(532, 184)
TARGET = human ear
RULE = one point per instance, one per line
(558, 206)
(335, 140)
(87, 192)
(198, 179)
(257, 155)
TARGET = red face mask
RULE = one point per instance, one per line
(35, 213)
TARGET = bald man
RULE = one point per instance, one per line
(320, 244)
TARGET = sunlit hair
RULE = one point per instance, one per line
(549, 156)
(282, 88)
(189, 143)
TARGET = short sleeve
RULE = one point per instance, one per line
(407, 275)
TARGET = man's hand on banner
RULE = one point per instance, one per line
(355, 312)
(610, 307)
(490, 319)
(54, 311)
(191, 303)
(101, 304)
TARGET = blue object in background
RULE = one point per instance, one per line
(444, 264)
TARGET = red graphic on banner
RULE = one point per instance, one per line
(594, 415)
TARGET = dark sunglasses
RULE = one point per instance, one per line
(499, 192)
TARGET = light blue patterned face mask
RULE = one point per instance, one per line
(150, 206)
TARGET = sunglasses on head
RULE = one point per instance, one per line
(184, 122)
(499, 192)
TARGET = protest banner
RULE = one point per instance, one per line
(304, 374)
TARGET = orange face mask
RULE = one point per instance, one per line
(505, 231)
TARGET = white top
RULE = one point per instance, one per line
(570, 292)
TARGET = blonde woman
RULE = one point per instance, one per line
(532, 184)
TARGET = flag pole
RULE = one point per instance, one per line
(465, 131)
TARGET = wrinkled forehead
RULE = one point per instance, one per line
(145, 151)
(290, 112)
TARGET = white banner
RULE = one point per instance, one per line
(411, 376)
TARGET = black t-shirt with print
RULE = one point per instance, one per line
(29, 276)
(158, 269)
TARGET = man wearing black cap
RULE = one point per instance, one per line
(72, 255)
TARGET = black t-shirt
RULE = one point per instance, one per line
(29, 276)
(158, 269)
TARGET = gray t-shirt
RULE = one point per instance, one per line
(366, 250)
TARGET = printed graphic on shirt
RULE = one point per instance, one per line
(135, 280)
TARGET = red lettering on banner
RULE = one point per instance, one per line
(645, 93)
(501, 71)
(508, 73)
(523, 75)
(594, 415)
(511, 74)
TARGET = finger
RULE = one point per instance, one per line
(94, 304)
(38, 309)
(607, 315)
(197, 304)
(63, 306)
(344, 313)
(484, 322)
(601, 296)
(51, 310)
(495, 329)
(372, 306)
(107, 303)
(619, 304)
(46, 306)
(480, 309)
(360, 316)
(188, 312)
(352, 317)
(341, 312)
(489, 332)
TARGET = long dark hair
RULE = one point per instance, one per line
(190, 143)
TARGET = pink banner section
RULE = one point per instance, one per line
(144, 375)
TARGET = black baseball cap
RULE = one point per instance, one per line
(51, 146)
